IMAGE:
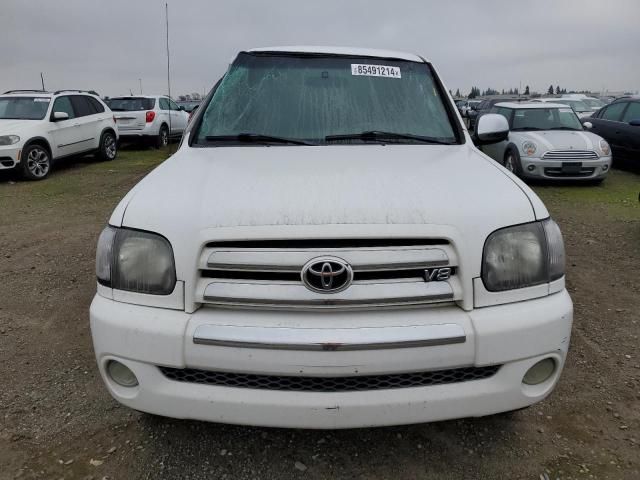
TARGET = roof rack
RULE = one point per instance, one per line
(92, 92)
(28, 90)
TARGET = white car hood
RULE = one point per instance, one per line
(227, 187)
(560, 140)
(14, 127)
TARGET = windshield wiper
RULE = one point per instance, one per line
(526, 128)
(376, 135)
(564, 128)
(254, 138)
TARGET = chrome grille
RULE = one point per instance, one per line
(329, 384)
(570, 155)
(268, 274)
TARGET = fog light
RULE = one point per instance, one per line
(605, 167)
(121, 374)
(531, 168)
(540, 372)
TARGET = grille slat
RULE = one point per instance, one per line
(570, 155)
(270, 272)
(329, 384)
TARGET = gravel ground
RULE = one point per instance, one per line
(57, 421)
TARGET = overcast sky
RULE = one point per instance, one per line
(108, 45)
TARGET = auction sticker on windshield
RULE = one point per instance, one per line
(375, 70)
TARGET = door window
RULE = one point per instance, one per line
(173, 105)
(613, 111)
(81, 106)
(632, 113)
(63, 104)
(97, 106)
(164, 104)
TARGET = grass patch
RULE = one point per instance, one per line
(617, 195)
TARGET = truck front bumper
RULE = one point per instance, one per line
(511, 337)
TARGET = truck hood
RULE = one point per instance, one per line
(227, 187)
(561, 140)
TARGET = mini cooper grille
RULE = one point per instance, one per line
(329, 384)
(570, 155)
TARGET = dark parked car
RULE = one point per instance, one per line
(485, 107)
(619, 124)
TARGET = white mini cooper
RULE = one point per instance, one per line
(546, 140)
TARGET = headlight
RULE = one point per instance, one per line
(135, 261)
(9, 139)
(604, 147)
(529, 148)
(523, 256)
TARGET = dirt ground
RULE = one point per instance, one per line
(57, 421)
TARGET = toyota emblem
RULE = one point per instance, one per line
(327, 275)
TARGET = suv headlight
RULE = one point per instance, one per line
(604, 147)
(9, 140)
(523, 256)
(135, 261)
(529, 148)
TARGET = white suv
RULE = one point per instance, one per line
(154, 118)
(328, 249)
(38, 128)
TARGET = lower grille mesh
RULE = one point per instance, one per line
(329, 384)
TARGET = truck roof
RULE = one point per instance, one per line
(360, 52)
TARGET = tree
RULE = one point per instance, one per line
(526, 90)
(550, 91)
(557, 89)
(475, 91)
(458, 93)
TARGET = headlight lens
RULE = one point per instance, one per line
(135, 261)
(604, 147)
(9, 140)
(523, 256)
(529, 148)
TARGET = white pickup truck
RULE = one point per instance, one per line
(328, 249)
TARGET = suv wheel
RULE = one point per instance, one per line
(163, 137)
(108, 146)
(36, 162)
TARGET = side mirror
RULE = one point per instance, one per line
(58, 116)
(587, 125)
(491, 128)
(635, 122)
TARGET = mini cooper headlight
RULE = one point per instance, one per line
(523, 256)
(529, 148)
(9, 140)
(135, 261)
(604, 147)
